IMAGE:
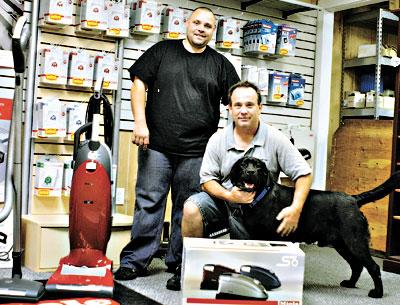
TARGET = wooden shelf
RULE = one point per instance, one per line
(46, 239)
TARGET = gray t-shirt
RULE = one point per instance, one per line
(269, 145)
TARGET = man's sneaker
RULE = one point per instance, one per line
(126, 274)
(174, 283)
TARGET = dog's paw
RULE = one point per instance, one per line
(375, 293)
(348, 284)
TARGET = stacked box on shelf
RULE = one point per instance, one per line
(259, 37)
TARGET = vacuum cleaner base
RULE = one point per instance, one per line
(21, 290)
(78, 275)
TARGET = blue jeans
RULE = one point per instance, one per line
(220, 217)
(157, 173)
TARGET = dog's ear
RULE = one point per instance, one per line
(235, 171)
(266, 176)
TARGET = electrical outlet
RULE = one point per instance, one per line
(120, 196)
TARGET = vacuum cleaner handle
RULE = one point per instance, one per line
(77, 136)
(19, 41)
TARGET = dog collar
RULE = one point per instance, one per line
(260, 196)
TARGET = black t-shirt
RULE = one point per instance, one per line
(184, 93)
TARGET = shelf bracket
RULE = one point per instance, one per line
(245, 5)
(286, 14)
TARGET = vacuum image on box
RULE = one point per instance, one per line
(212, 273)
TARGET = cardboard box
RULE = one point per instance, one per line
(173, 25)
(296, 90)
(145, 17)
(278, 87)
(366, 50)
(354, 99)
(286, 40)
(394, 4)
(54, 65)
(58, 13)
(228, 33)
(118, 15)
(6, 241)
(284, 259)
(259, 37)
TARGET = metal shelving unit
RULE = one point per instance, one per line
(384, 22)
(392, 261)
(288, 7)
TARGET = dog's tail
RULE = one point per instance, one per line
(380, 191)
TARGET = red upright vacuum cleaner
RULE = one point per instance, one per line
(86, 271)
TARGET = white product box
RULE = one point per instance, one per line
(366, 50)
(173, 23)
(6, 241)
(228, 33)
(386, 102)
(118, 15)
(67, 177)
(285, 260)
(370, 99)
(54, 65)
(263, 81)
(145, 17)
(76, 116)
(50, 118)
(107, 65)
(354, 99)
(56, 13)
(93, 15)
(48, 177)
(250, 73)
(81, 69)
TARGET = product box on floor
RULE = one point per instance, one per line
(224, 271)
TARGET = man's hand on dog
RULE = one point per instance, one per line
(239, 196)
(290, 218)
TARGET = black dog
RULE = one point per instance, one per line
(329, 218)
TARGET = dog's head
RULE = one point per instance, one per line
(250, 174)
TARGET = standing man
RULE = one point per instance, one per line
(185, 81)
(206, 214)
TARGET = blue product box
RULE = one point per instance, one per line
(278, 87)
(296, 90)
(259, 37)
(286, 40)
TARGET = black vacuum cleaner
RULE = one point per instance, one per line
(16, 288)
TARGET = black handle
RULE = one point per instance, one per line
(18, 55)
(77, 136)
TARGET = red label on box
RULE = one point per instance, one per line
(229, 302)
(78, 301)
(5, 109)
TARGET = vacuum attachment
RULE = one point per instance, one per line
(211, 275)
(233, 286)
(266, 277)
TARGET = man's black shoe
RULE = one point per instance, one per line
(126, 274)
(174, 283)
